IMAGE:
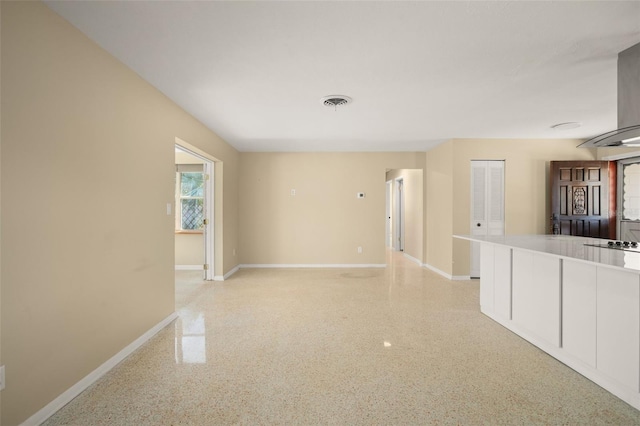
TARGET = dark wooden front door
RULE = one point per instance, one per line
(583, 198)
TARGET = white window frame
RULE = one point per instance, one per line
(180, 169)
(621, 166)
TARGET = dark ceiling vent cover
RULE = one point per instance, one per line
(334, 101)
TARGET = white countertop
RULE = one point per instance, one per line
(565, 246)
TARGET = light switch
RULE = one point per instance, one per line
(168, 209)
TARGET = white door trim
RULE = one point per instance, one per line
(209, 239)
(398, 217)
(388, 209)
(208, 235)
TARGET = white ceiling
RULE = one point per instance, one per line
(418, 72)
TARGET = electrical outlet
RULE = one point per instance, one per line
(293, 192)
(359, 250)
(2, 377)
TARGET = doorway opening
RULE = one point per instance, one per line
(398, 228)
(404, 220)
(194, 195)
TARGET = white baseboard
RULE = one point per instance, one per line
(438, 271)
(447, 276)
(231, 272)
(461, 277)
(75, 390)
(189, 267)
(413, 259)
(227, 275)
(313, 265)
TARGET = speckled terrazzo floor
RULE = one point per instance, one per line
(399, 345)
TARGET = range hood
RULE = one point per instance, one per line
(628, 132)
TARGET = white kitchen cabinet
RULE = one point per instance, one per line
(495, 281)
(486, 278)
(618, 326)
(579, 310)
(502, 282)
(536, 294)
(578, 302)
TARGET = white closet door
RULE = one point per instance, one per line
(487, 205)
(495, 195)
(478, 197)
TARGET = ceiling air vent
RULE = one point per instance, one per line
(334, 101)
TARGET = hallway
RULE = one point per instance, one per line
(399, 345)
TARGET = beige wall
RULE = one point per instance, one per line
(439, 201)
(86, 173)
(617, 153)
(186, 158)
(413, 209)
(189, 249)
(527, 186)
(324, 222)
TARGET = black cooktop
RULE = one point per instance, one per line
(617, 245)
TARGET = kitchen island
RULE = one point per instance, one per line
(577, 302)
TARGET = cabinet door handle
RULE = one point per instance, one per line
(478, 224)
